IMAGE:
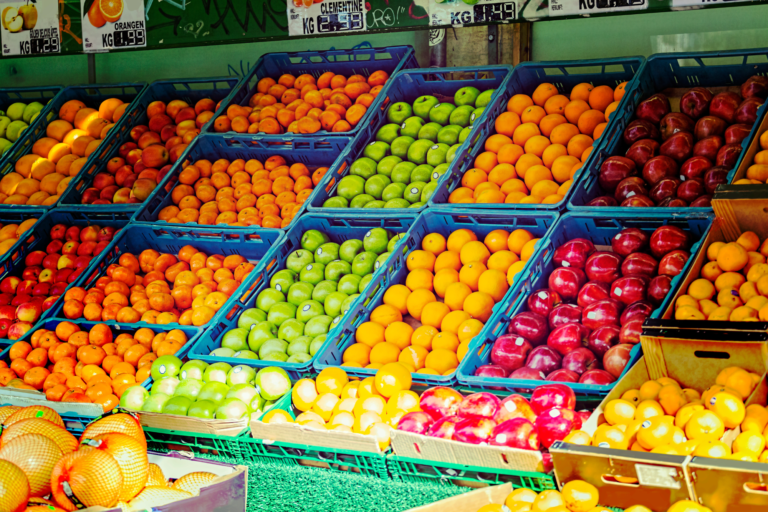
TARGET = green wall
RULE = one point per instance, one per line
(645, 34)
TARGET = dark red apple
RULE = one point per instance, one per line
(629, 240)
(638, 201)
(5, 324)
(640, 129)
(708, 126)
(491, 370)
(664, 189)
(5, 299)
(514, 406)
(568, 337)
(641, 309)
(695, 167)
(675, 122)
(58, 231)
(597, 377)
(8, 312)
(552, 395)
(715, 177)
(654, 108)
(755, 86)
(613, 170)
(673, 263)
(616, 359)
(639, 263)
(659, 168)
(510, 351)
(678, 147)
(704, 201)
(543, 301)
(728, 155)
(444, 427)
(666, 239)
(600, 340)
(544, 359)
(73, 233)
(417, 422)
(567, 281)
(41, 289)
(629, 289)
(598, 314)
(708, 147)
(526, 373)
(515, 433)
(564, 314)
(630, 187)
(554, 425)
(695, 102)
(603, 266)
(54, 246)
(747, 111)
(673, 202)
(592, 291)
(573, 253)
(478, 404)
(474, 430)
(689, 190)
(603, 201)
(658, 289)
(724, 106)
(59, 288)
(580, 360)
(440, 401)
(630, 331)
(736, 133)
(530, 326)
(563, 375)
(642, 151)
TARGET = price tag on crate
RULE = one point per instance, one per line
(113, 25)
(704, 3)
(576, 7)
(308, 17)
(464, 12)
(30, 27)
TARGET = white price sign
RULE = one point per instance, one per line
(30, 27)
(113, 25)
(704, 3)
(577, 7)
(464, 12)
(308, 17)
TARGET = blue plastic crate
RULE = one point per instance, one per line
(357, 61)
(92, 96)
(338, 230)
(212, 147)
(661, 72)
(481, 223)
(599, 230)
(407, 86)
(44, 95)
(526, 77)
(252, 245)
(189, 90)
(39, 237)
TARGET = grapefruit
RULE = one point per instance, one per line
(192, 482)
(156, 478)
(36, 455)
(154, 497)
(35, 411)
(130, 456)
(66, 441)
(14, 487)
(121, 423)
(92, 476)
(6, 411)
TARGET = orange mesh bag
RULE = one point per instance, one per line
(14, 487)
(36, 455)
(91, 478)
(130, 456)
(192, 482)
(121, 423)
(66, 441)
(35, 411)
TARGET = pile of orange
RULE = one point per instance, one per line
(96, 366)
(155, 288)
(539, 144)
(241, 193)
(733, 284)
(44, 174)
(662, 417)
(758, 172)
(333, 402)
(304, 104)
(427, 323)
(10, 233)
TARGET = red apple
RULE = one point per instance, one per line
(484, 405)
(616, 359)
(638, 201)
(491, 370)
(568, 337)
(35, 258)
(673, 263)
(695, 102)
(603, 266)
(668, 238)
(70, 247)
(8, 312)
(637, 310)
(126, 148)
(666, 188)
(629, 289)
(444, 427)
(49, 302)
(678, 147)
(554, 425)
(580, 360)
(90, 195)
(89, 234)
(552, 395)
(544, 359)
(10, 284)
(474, 430)
(724, 106)
(689, 190)
(603, 201)
(41, 289)
(5, 298)
(673, 123)
(21, 299)
(567, 281)
(629, 240)
(4, 325)
(526, 373)
(708, 147)
(564, 314)
(138, 130)
(58, 231)
(573, 253)
(86, 248)
(73, 233)
(613, 170)
(630, 331)
(728, 155)
(53, 247)
(746, 113)
(603, 338)
(82, 261)
(510, 351)
(46, 275)
(106, 233)
(755, 86)
(51, 261)
(29, 312)
(531, 326)
(440, 401)
(639, 263)
(673, 202)
(592, 291)
(515, 433)
(642, 151)
(658, 289)
(417, 422)
(58, 289)
(563, 375)
(597, 377)
(736, 133)
(630, 187)
(604, 312)
(26, 287)
(659, 168)
(514, 406)
(709, 126)
(100, 247)
(543, 301)
(695, 167)
(18, 330)
(704, 201)
(654, 108)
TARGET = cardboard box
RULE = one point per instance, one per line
(469, 502)
(75, 415)
(175, 422)
(227, 493)
(730, 486)
(693, 358)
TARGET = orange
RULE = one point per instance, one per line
(729, 408)
(384, 353)
(517, 240)
(502, 260)
(458, 238)
(518, 103)
(502, 173)
(392, 378)
(386, 314)
(549, 122)
(505, 125)
(525, 131)
(578, 144)
(419, 279)
(579, 496)
(509, 154)
(474, 251)
(533, 115)
(422, 336)
(417, 301)
(448, 260)
(468, 329)
(563, 133)
(442, 360)
(470, 274)
(536, 145)
(433, 314)
(600, 97)
(704, 425)
(574, 109)
(357, 353)
(369, 333)
(581, 92)
(453, 320)
(656, 432)
(552, 153)
(397, 297)
(473, 178)
(455, 295)
(486, 161)
(420, 259)
(443, 279)
(556, 104)
(398, 334)
(619, 412)
(542, 93)
(479, 305)
(434, 243)
(525, 162)
(493, 283)
(589, 120)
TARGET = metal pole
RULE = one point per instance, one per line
(91, 68)
(437, 54)
(493, 44)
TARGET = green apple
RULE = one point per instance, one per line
(388, 133)
(307, 311)
(312, 239)
(393, 242)
(375, 185)
(177, 405)
(350, 186)
(165, 366)
(400, 146)
(282, 280)
(222, 352)
(245, 392)
(387, 163)
(484, 98)
(363, 263)
(399, 112)
(427, 191)
(281, 312)
(423, 105)
(393, 191)
(273, 345)
(251, 317)
(380, 261)
(257, 404)
(245, 354)
(348, 303)
(322, 289)
(365, 281)
(417, 153)
(16, 111)
(436, 153)
(216, 372)
(413, 191)
(451, 154)
(189, 388)
(299, 346)
(476, 115)
(299, 357)
(376, 150)
(336, 202)
(402, 173)
(275, 356)
(375, 240)
(439, 171)
(335, 269)
(422, 172)
(214, 392)
(240, 374)
(411, 126)
(236, 339)
(30, 110)
(441, 113)
(360, 201)
(5, 145)
(291, 329)
(298, 259)
(13, 132)
(4, 122)
(299, 292)
(262, 332)
(326, 253)
(202, 409)
(464, 134)
(430, 131)
(397, 203)
(449, 134)
(134, 398)
(317, 344)
(349, 284)
(318, 325)
(375, 204)
(231, 409)
(460, 116)
(312, 274)
(364, 167)
(269, 296)
(155, 403)
(466, 95)
(333, 303)
(193, 369)
(272, 382)
(349, 249)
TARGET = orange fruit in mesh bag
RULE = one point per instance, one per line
(65, 441)
(122, 423)
(192, 482)
(91, 477)
(6, 412)
(130, 455)
(35, 411)
(153, 497)
(14, 487)
(36, 455)
(155, 476)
